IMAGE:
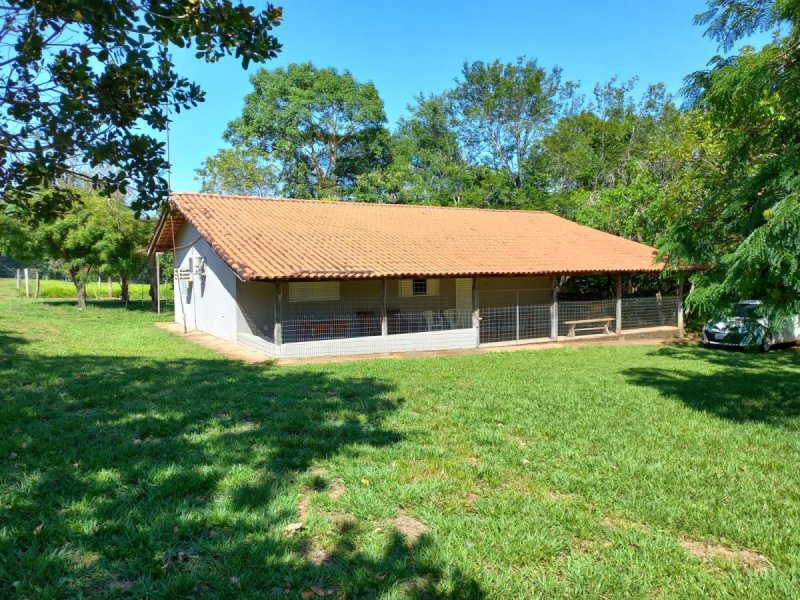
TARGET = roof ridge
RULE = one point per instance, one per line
(362, 203)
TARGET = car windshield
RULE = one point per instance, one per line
(746, 310)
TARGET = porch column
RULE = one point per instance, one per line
(384, 317)
(680, 303)
(278, 332)
(156, 286)
(554, 312)
(619, 303)
(476, 313)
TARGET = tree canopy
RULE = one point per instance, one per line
(320, 129)
(746, 229)
(243, 171)
(96, 234)
(79, 79)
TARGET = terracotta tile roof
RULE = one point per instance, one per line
(268, 238)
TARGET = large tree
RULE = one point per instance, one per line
(94, 234)
(72, 239)
(477, 144)
(427, 163)
(238, 171)
(629, 165)
(746, 232)
(79, 78)
(122, 245)
(504, 110)
(322, 128)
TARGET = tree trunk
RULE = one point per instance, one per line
(80, 286)
(124, 293)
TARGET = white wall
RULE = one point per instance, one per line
(209, 303)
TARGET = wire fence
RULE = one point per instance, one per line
(643, 313)
(519, 321)
(508, 315)
(332, 320)
(586, 317)
(359, 319)
(444, 339)
(514, 323)
(51, 283)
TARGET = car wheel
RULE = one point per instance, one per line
(766, 344)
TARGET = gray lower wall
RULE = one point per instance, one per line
(256, 308)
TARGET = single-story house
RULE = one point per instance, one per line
(295, 278)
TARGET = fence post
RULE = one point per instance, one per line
(278, 331)
(680, 304)
(476, 313)
(27, 284)
(38, 283)
(19, 282)
(554, 312)
(619, 304)
(155, 282)
(157, 289)
(384, 314)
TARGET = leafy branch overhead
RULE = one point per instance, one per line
(80, 78)
(747, 228)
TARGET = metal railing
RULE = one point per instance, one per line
(514, 315)
(344, 320)
(521, 321)
(361, 324)
(514, 323)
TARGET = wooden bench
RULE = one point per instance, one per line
(325, 329)
(599, 324)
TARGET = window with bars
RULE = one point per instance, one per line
(410, 288)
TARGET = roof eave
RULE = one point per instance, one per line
(432, 275)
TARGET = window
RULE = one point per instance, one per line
(419, 287)
(314, 291)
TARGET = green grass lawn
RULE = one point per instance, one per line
(55, 288)
(136, 464)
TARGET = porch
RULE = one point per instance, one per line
(327, 318)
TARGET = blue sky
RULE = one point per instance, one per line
(420, 46)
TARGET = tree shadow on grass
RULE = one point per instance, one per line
(737, 386)
(135, 477)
